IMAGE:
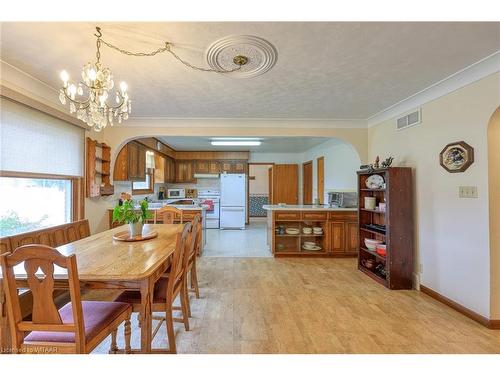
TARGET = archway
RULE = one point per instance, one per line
(494, 207)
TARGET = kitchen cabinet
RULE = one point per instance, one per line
(233, 166)
(338, 239)
(343, 237)
(207, 166)
(184, 171)
(159, 175)
(169, 169)
(130, 163)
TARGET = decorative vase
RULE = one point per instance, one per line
(135, 229)
(370, 203)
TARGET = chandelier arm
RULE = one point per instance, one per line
(167, 48)
(86, 102)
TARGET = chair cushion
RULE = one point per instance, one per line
(134, 296)
(96, 316)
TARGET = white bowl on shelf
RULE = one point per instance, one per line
(292, 231)
(372, 244)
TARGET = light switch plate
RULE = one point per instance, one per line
(467, 191)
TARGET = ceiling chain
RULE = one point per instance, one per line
(167, 48)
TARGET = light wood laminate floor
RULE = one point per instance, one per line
(267, 305)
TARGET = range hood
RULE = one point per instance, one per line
(206, 175)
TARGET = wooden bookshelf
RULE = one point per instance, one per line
(398, 221)
(98, 169)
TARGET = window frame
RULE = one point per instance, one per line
(150, 190)
(77, 189)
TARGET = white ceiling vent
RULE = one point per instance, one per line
(411, 119)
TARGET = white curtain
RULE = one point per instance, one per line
(32, 141)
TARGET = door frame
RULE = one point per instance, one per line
(310, 162)
(320, 179)
(248, 184)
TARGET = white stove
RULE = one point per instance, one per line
(210, 198)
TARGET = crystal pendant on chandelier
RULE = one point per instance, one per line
(93, 109)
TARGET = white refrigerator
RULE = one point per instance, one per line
(233, 197)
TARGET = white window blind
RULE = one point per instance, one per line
(32, 141)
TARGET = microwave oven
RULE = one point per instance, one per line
(176, 193)
(343, 199)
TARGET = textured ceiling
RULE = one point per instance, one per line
(324, 70)
(269, 144)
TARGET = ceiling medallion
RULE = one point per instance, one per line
(258, 54)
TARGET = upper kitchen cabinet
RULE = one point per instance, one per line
(130, 163)
(159, 169)
(184, 171)
(233, 166)
(207, 166)
(169, 169)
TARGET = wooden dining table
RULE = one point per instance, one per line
(105, 263)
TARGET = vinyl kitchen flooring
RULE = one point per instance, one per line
(251, 242)
(293, 305)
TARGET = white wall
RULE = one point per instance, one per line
(260, 183)
(452, 234)
(341, 163)
(276, 157)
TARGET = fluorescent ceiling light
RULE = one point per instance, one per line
(236, 143)
(235, 139)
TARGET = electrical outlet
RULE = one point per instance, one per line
(467, 191)
(420, 268)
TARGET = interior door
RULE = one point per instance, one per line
(307, 178)
(320, 174)
(285, 186)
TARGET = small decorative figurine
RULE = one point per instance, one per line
(387, 162)
(376, 164)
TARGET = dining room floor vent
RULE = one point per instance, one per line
(411, 119)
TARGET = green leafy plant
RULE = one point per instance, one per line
(127, 213)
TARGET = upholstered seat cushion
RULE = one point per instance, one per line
(134, 296)
(96, 316)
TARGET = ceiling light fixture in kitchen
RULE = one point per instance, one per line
(236, 143)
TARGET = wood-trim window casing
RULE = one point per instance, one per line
(77, 189)
(150, 190)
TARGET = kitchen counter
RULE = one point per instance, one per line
(304, 207)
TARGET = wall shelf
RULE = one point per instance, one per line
(98, 169)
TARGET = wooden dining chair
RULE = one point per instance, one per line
(191, 271)
(167, 288)
(77, 327)
(166, 215)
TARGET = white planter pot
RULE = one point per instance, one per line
(135, 229)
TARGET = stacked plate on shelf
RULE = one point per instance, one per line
(318, 230)
(310, 246)
(293, 231)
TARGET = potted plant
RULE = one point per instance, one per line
(135, 218)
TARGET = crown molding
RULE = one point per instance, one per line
(472, 73)
(246, 122)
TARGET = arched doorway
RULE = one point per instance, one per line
(494, 207)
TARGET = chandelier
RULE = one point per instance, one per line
(90, 98)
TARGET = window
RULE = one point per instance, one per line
(33, 203)
(146, 186)
(41, 169)
(143, 187)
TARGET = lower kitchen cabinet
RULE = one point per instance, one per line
(290, 230)
(343, 238)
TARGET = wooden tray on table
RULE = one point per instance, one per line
(125, 236)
